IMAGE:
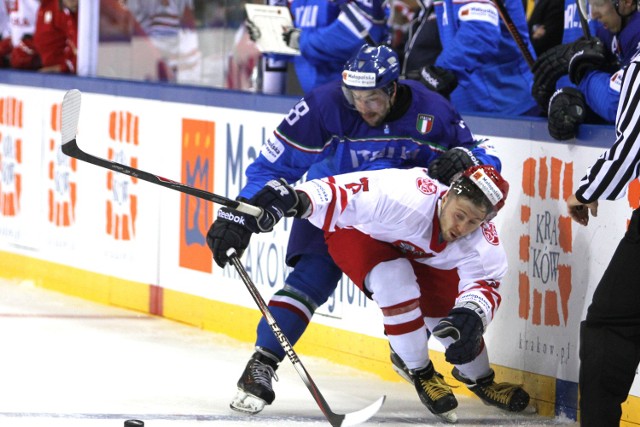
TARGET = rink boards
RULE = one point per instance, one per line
(86, 231)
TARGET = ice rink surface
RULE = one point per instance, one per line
(68, 362)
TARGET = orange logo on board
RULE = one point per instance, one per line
(196, 215)
(122, 206)
(633, 196)
(10, 155)
(62, 189)
(544, 277)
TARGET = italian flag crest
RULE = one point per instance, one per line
(424, 123)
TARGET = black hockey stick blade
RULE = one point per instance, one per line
(336, 420)
(70, 118)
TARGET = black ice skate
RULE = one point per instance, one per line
(398, 365)
(254, 386)
(506, 396)
(435, 393)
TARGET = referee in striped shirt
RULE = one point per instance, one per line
(610, 335)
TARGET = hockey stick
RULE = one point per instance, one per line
(584, 23)
(334, 419)
(70, 119)
(351, 16)
(508, 22)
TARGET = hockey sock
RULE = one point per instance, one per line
(290, 323)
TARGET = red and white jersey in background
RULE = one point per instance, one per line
(400, 206)
(170, 26)
(56, 37)
(161, 18)
(22, 18)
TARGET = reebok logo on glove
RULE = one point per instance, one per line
(430, 79)
(229, 216)
(469, 153)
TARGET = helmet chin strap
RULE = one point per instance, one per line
(391, 100)
(439, 210)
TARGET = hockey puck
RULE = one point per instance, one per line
(134, 423)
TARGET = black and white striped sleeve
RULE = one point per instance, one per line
(609, 176)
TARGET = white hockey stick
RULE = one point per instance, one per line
(69, 126)
(334, 419)
(70, 118)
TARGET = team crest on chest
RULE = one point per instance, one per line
(490, 233)
(424, 123)
(426, 186)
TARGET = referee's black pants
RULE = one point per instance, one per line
(610, 335)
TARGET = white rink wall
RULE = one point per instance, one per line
(78, 215)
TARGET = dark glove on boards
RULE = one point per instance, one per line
(567, 109)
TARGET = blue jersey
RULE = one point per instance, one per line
(573, 31)
(331, 33)
(572, 26)
(493, 75)
(324, 135)
(601, 89)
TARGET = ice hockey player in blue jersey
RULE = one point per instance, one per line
(592, 84)
(369, 120)
(598, 75)
(327, 33)
(480, 65)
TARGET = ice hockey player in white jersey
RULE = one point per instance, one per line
(427, 254)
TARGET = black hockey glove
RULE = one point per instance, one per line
(277, 199)
(438, 79)
(567, 110)
(233, 229)
(591, 56)
(291, 37)
(550, 66)
(252, 30)
(463, 324)
(445, 167)
(228, 231)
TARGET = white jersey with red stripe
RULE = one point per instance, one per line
(401, 206)
(22, 18)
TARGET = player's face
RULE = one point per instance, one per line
(373, 105)
(605, 12)
(459, 217)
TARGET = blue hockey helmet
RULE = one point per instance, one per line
(373, 67)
